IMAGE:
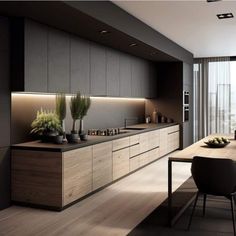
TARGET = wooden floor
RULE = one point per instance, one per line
(115, 210)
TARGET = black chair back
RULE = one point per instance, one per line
(215, 176)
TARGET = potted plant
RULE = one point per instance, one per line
(75, 104)
(46, 125)
(85, 104)
(61, 111)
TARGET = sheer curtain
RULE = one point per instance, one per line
(212, 96)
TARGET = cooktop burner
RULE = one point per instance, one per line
(104, 132)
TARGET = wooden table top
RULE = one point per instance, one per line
(201, 149)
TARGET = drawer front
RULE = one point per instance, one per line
(163, 141)
(120, 163)
(134, 150)
(134, 163)
(144, 142)
(120, 143)
(173, 128)
(77, 169)
(173, 141)
(154, 154)
(153, 139)
(102, 164)
(133, 140)
(144, 159)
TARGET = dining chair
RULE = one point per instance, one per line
(214, 176)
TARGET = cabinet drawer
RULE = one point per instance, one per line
(173, 128)
(153, 154)
(120, 163)
(133, 139)
(134, 150)
(120, 143)
(143, 159)
(133, 163)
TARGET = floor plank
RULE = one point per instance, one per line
(115, 210)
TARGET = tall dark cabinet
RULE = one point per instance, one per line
(5, 108)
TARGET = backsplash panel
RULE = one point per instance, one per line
(103, 113)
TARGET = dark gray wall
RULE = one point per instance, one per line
(103, 113)
(5, 107)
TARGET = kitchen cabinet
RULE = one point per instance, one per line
(120, 163)
(152, 85)
(79, 65)
(35, 66)
(120, 143)
(163, 141)
(153, 139)
(136, 89)
(125, 75)
(143, 142)
(5, 179)
(98, 69)
(77, 174)
(134, 149)
(134, 163)
(154, 154)
(58, 61)
(102, 164)
(112, 72)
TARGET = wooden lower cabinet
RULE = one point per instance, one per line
(134, 163)
(153, 139)
(154, 154)
(102, 164)
(143, 159)
(143, 142)
(120, 163)
(36, 177)
(77, 174)
(173, 141)
(163, 141)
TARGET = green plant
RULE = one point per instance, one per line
(61, 106)
(84, 106)
(46, 122)
(75, 105)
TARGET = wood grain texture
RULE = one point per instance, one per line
(37, 177)
(120, 143)
(144, 142)
(102, 164)
(77, 170)
(134, 163)
(201, 149)
(120, 163)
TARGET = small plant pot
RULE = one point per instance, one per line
(47, 138)
(58, 139)
(72, 137)
(83, 137)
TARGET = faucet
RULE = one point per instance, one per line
(129, 119)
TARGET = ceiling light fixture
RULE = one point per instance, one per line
(104, 32)
(213, 0)
(225, 15)
(133, 44)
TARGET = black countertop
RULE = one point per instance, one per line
(40, 146)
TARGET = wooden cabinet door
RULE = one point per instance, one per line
(112, 72)
(58, 61)
(125, 75)
(134, 163)
(154, 154)
(143, 159)
(102, 164)
(98, 69)
(143, 141)
(79, 65)
(120, 163)
(153, 139)
(163, 141)
(120, 143)
(173, 141)
(35, 67)
(77, 170)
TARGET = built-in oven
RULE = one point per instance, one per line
(185, 113)
(185, 98)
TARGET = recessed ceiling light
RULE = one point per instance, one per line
(133, 44)
(104, 32)
(225, 15)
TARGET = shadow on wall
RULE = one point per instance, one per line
(103, 113)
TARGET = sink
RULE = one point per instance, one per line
(134, 128)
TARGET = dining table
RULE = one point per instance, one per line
(199, 148)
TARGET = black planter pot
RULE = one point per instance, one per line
(72, 137)
(47, 138)
(58, 139)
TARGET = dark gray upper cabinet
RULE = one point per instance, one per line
(112, 72)
(58, 61)
(152, 90)
(136, 77)
(98, 70)
(80, 65)
(125, 75)
(35, 66)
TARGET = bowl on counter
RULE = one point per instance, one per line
(217, 142)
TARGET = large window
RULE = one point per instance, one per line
(214, 96)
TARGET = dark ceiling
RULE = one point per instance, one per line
(64, 17)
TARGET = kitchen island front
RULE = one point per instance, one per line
(55, 176)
